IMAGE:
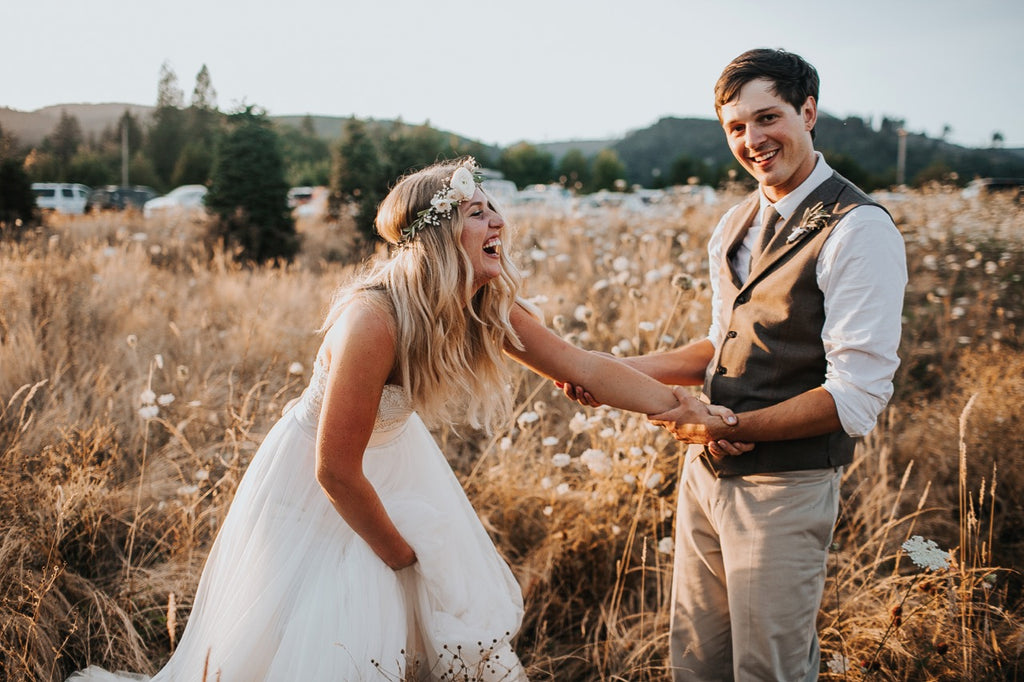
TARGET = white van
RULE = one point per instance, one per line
(62, 197)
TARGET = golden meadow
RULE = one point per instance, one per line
(139, 369)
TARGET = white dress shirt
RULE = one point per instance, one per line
(862, 271)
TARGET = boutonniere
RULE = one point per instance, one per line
(815, 218)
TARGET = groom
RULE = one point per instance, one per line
(807, 278)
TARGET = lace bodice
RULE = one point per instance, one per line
(394, 407)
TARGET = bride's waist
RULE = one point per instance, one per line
(385, 429)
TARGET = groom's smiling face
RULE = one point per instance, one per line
(770, 138)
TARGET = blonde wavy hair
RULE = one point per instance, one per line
(449, 339)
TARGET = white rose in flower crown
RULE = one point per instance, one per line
(443, 204)
(463, 185)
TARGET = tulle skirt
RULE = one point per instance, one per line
(290, 592)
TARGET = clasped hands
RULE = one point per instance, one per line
(692, 421)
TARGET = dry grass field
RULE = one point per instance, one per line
(140, 369)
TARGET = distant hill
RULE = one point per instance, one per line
(30, 127)
(850, 144)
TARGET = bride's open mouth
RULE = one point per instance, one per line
(491, 246)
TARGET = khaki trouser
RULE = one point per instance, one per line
(749, 571)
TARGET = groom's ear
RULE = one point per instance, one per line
(809, 113)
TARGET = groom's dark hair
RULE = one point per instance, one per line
(794, 79)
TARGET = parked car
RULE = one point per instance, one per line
(185, 200)
(62, 197)
(118, 198)
(983, 186)
(297, 196)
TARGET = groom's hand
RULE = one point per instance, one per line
(695, 422)
(721, 447)
(577, 394)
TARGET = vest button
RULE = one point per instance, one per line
(731, 335)
(720, 370)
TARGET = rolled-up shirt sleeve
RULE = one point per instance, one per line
(862, 271)
(716, 252)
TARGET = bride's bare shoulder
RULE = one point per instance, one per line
(366, 320)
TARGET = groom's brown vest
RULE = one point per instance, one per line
(772, 349)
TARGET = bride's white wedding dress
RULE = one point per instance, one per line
(290, 592)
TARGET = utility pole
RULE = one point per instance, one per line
(901, 157)
(124, 152)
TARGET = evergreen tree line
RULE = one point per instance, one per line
(198, 144)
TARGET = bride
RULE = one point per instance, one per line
(350, 551)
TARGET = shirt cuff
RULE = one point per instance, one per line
(858, 410)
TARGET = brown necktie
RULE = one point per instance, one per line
(771, 217)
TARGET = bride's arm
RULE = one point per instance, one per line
(611, 382)
(361, 352)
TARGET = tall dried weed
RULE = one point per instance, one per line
(140, 367)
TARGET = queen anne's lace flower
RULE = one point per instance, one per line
(596, 460)
(839, 665)
(926, 554)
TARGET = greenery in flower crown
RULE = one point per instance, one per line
(458, 188)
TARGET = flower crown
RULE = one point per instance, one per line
(458, 188)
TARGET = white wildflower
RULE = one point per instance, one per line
(666, 545)
(165, 399)
(579, 423)
(546, 483)
(202, 474)
(926, 554)
(561, 459)
(647, 326)
(149, 411)
(527, 418)
(549, 441)
(653, 480)
(506, 443)
(147, 397)
(296, 368)
(548, 510)
(159, 360)
(839, 665)
(607, 432)
(596, 460)
(563, 488)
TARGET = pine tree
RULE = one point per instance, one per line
(64, 141)
(167, 135)
(358, 177)
(249, 195)
(17, 203)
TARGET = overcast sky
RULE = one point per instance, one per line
(536, 70)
